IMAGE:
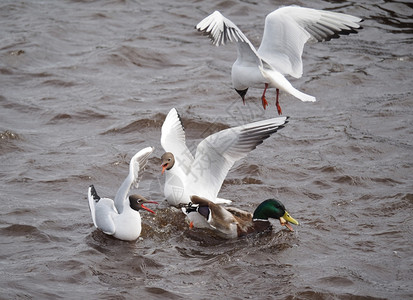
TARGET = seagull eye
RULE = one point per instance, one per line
(169, 159)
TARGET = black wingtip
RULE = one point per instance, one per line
(319, 32)
(180, 120)
(94, 193)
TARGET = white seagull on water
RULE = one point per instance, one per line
(204, 174)
(286, 31)
(120, 217)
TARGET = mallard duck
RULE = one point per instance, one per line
(286, 31)
(230, 222)
(204, 174)
(120, 217)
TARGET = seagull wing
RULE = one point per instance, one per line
(138, 164)
(93, 199)
(222, 30)
(136, 168)
(217, 153)
(103, 211)
(287, 29)
(105, 214)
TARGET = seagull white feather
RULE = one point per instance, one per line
(286, 31)
(204, 174)
(120, 217)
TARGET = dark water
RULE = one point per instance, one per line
(86, 84)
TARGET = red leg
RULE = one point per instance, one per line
(277, 103)
(264, 101)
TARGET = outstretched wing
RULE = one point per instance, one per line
(217, 153)
(221, 30)
(138, 164)
(287, 29)
(136, 167)
(173, 140)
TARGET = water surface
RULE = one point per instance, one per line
(87, 84)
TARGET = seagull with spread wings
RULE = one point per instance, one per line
(203, 174)
(286, 31)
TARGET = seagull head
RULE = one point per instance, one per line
(242, 93)
(137, 202)
(168, 161)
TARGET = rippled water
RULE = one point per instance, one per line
(86, 84)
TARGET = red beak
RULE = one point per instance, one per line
(163, 168)
(148, 209)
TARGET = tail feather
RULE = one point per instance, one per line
(276, 79)
(303, 97)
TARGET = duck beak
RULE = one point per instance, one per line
(148, 209)
(287, 218)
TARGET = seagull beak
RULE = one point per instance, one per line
(148, 209)
(287, 218)
(163, 168)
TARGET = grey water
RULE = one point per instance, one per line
(84, 85)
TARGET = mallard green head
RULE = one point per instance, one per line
(272, 208)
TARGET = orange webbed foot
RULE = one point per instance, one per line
(264, 102)
(279, 108)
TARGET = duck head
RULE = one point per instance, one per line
(137, 202)
(168, 161)
(273, 208)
